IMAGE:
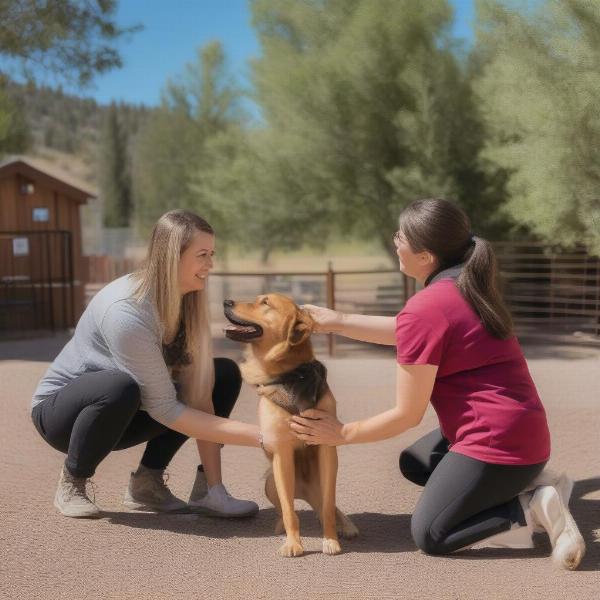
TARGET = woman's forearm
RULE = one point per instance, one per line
(385, 425)
(203, 426)
(367, 328)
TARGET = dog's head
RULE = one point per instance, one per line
(273, 324)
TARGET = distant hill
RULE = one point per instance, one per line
(66, 129)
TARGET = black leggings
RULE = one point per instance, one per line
(100, 411)
(464, 500)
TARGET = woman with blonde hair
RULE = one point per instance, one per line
(139, 368)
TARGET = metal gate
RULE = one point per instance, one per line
(36, 281)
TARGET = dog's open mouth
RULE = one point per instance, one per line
(240, 330)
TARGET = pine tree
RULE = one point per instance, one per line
(115, 185)
(15, 136)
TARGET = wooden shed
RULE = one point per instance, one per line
(41, 262)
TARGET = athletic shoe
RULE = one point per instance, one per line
(71, 497)
(217, 501)
(148, 490)
(547, 509)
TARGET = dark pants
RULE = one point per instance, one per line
(100, 411)
(464, 500)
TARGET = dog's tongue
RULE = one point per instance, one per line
(240, 328)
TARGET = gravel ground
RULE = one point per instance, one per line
(141, 555)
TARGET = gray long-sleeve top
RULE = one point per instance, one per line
(118, 332)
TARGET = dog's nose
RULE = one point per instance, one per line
(228, 303)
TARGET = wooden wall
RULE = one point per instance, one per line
(47, 265)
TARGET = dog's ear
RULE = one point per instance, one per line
(299, 331)
(301, 328)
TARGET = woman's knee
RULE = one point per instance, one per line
(420, 529)
(228, 382)
(412, 468)
(123, 391)
(228, 370)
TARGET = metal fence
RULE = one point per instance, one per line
(546, 288)
(36, 281)
(550, 288)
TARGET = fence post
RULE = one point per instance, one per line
(597, 327)
(330, 304)
(405, 288)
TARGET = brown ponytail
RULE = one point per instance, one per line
(442, 228)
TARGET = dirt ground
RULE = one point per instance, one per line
(147, 556)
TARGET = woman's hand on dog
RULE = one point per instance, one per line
(326, 320)
(317, 427)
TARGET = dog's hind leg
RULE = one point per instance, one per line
(271, 493)
(345, 527)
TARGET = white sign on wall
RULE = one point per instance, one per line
(41, 215)
(20, 246)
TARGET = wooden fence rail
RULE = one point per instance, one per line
(544, 286)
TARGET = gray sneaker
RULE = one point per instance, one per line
(71, 498)
(147, 490)
(217, 501)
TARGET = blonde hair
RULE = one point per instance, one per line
(159, 282)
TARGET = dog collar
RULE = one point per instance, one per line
(303, 386)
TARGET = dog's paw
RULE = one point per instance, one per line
(279, 527)
(347, 529)
(331, 546)
(291, 548)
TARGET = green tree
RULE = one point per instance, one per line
(115, 184)
(539, 89)
(178, 145)
(74, 39)
(15, 136)
(367, 108)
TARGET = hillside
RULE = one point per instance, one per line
(66, 129)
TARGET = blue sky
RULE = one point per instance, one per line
(173, 32)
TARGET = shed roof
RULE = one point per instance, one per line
(40, 171)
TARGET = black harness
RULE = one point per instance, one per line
(300, 389)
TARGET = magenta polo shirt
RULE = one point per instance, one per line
(484, 397)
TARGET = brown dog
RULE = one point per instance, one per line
(280, 361)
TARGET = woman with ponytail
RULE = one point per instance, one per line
(483, 469)
(139, 368)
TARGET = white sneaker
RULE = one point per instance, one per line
(548, 510)
(517, 537)
(218, 502)
(147, 490)
(71, 497)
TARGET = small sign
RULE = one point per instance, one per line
(20, 246)
(41, 215)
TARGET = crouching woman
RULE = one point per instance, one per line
(139, 368)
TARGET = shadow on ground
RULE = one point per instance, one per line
(45, 348)
(573, 351)
(586, 514)
(378, 532)
(42, 348)
(383, 533)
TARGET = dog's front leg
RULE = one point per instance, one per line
(284, 472)
(328, 465)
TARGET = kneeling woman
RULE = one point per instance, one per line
(455, 348)
(142, 344)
